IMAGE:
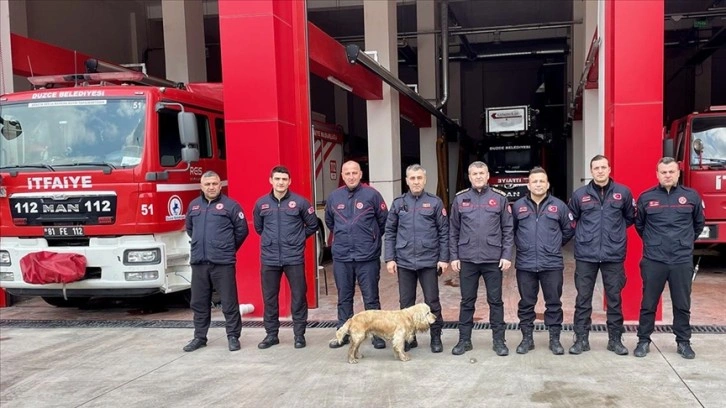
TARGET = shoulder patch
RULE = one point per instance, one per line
(498, 191)
(463, 191)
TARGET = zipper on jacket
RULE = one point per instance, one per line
(279, 234)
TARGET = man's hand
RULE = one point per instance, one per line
(504, 264)
(442, 265)
(392, 267)
(456, 266)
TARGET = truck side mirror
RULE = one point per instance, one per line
(190, 154)
(698, 146)
(11, 129)
(188, 133)
(668, 149)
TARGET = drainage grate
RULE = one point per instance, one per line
(312, 324)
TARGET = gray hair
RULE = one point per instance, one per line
(415, 167)
(665, 160)
(210, 173)
(477, 164)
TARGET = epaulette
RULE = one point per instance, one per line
(399, 197)
(463, 191)
(498, 191)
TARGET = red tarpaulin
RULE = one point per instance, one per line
(52, 267)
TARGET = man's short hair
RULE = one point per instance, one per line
(598, 157)
(210, 173)
(537, 170)
(477, 164)
(280, 169)
(665, 160)
(415, 167)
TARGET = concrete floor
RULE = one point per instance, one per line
(136, 367)
(140, 367)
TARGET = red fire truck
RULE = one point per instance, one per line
(698, 142)
(105, 170)
(510, 148)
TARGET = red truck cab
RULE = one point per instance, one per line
(105, 170)
(698, 142)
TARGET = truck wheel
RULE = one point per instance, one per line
(71, 302)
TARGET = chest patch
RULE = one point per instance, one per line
(466, 203)
(195, 207)
(426, 205)
(341, 207)
(492, 203)
(653, 203)
(682, 200)
(219, 206)
(264, 206)
(292, 204)
(617, 196)
(586, 199)
(552, 208)
(359, 205)
(522, 209)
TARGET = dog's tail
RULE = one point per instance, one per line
(342, 332)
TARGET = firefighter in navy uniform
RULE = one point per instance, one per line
(670, 218)
(542, 226)
(356, 214)
(417, 243)
(217, 227)
(603, 210)
(480, 245)
(284, 220)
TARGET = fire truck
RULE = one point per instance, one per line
(698, 142)
(511, 147)
(328, 146)
(102, 166)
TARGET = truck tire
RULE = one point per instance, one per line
(71, 302)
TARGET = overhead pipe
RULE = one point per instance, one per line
(476, 30)
(444, 54)
(355, 55)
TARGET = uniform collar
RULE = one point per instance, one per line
(285, 197)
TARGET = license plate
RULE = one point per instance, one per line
(63, 232)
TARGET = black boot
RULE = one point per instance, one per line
(555, 344)
(413, 344)
(642, 348)
(527, 343)
(436, 345)
(685, 350)
(615, 343)
(582, 343)
(498, 345)
(462, 347)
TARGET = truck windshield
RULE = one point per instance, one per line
(509, 159)
(58, 133)
(712, 132)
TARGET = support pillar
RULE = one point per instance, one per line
(184, 40)
(6, 61)
(633, 112)
(427, 87)
(384, 122)
(267, 120)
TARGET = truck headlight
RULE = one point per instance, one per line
(4, 258)
(141, 276)
(142, 256)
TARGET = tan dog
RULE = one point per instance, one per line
(396, 326)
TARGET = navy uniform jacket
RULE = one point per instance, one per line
(283, 226)
(217, 228)
(602, 214)
(357, 219)
(417, 232)
(540, 232)
(669, 223)
(480, 227)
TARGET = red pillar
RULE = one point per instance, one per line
(267, 119)
(634, 112)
